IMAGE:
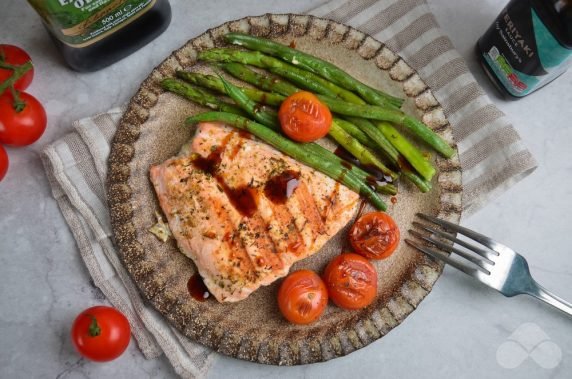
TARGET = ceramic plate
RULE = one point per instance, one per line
(152, 130)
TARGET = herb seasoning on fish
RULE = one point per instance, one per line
(243, 198)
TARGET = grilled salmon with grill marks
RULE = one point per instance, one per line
(243, 211)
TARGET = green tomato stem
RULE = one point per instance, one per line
(94, 329)
(18, 104)
(17, 72)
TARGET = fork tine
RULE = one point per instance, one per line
(477, 261)
(483, 253)
(441, 257)
(488, 242)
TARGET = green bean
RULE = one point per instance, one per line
(410, 152)
(264, 116)
(313, 64)
(302, 78)
(264, 82)
(354, 147)
(214, 83)
(199, 96)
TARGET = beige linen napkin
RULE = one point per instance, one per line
(76, 167)
(491, 154)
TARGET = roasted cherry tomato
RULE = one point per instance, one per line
(15, 56)
(304, 118)
(351, 280)
(302, 297)
(3, 162)
(21, 128)
(374, 235)
(101, 333)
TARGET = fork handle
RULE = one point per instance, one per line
(548, 297)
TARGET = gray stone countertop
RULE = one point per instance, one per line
(458, 329)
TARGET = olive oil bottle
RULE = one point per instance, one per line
(92, 34)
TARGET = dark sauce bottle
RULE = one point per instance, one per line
(528, 45)
(92, 34)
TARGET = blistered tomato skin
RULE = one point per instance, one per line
(304, 118)
(374, 235)
(302, 297)
(351, 281)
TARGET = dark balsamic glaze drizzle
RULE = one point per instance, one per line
(375, 177)
(403, 164)
(331, 200)
(244, 134)
(346, 165)
(242, 198)
(197, 288)
(362, 204)
(345, 155)
(279, 188)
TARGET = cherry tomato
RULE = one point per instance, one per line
(304, 118)
(15, 56)
(302, 297)
(351, 280)
(101, 333)
(3, 162)
(24, 127)
(374, 235)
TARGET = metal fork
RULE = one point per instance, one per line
(497, 265)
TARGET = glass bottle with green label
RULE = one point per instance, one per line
(92, 34)
(528, 45)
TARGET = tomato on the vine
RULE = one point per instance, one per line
(101, 333)
(3, 162)
(351, 280)
(374, 235)
(15, 56)
(304, 118)
(302, 297)
(21, 128)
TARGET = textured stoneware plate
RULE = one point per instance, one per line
(253, 329)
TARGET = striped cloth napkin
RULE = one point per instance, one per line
(491, 154)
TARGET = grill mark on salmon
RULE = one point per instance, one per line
(311, 210)
(238, 252)
(300, 223)
(331, 202)
(261, 249)
(280, 227)
(234, 252)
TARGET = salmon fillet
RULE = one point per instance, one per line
(243, 211)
